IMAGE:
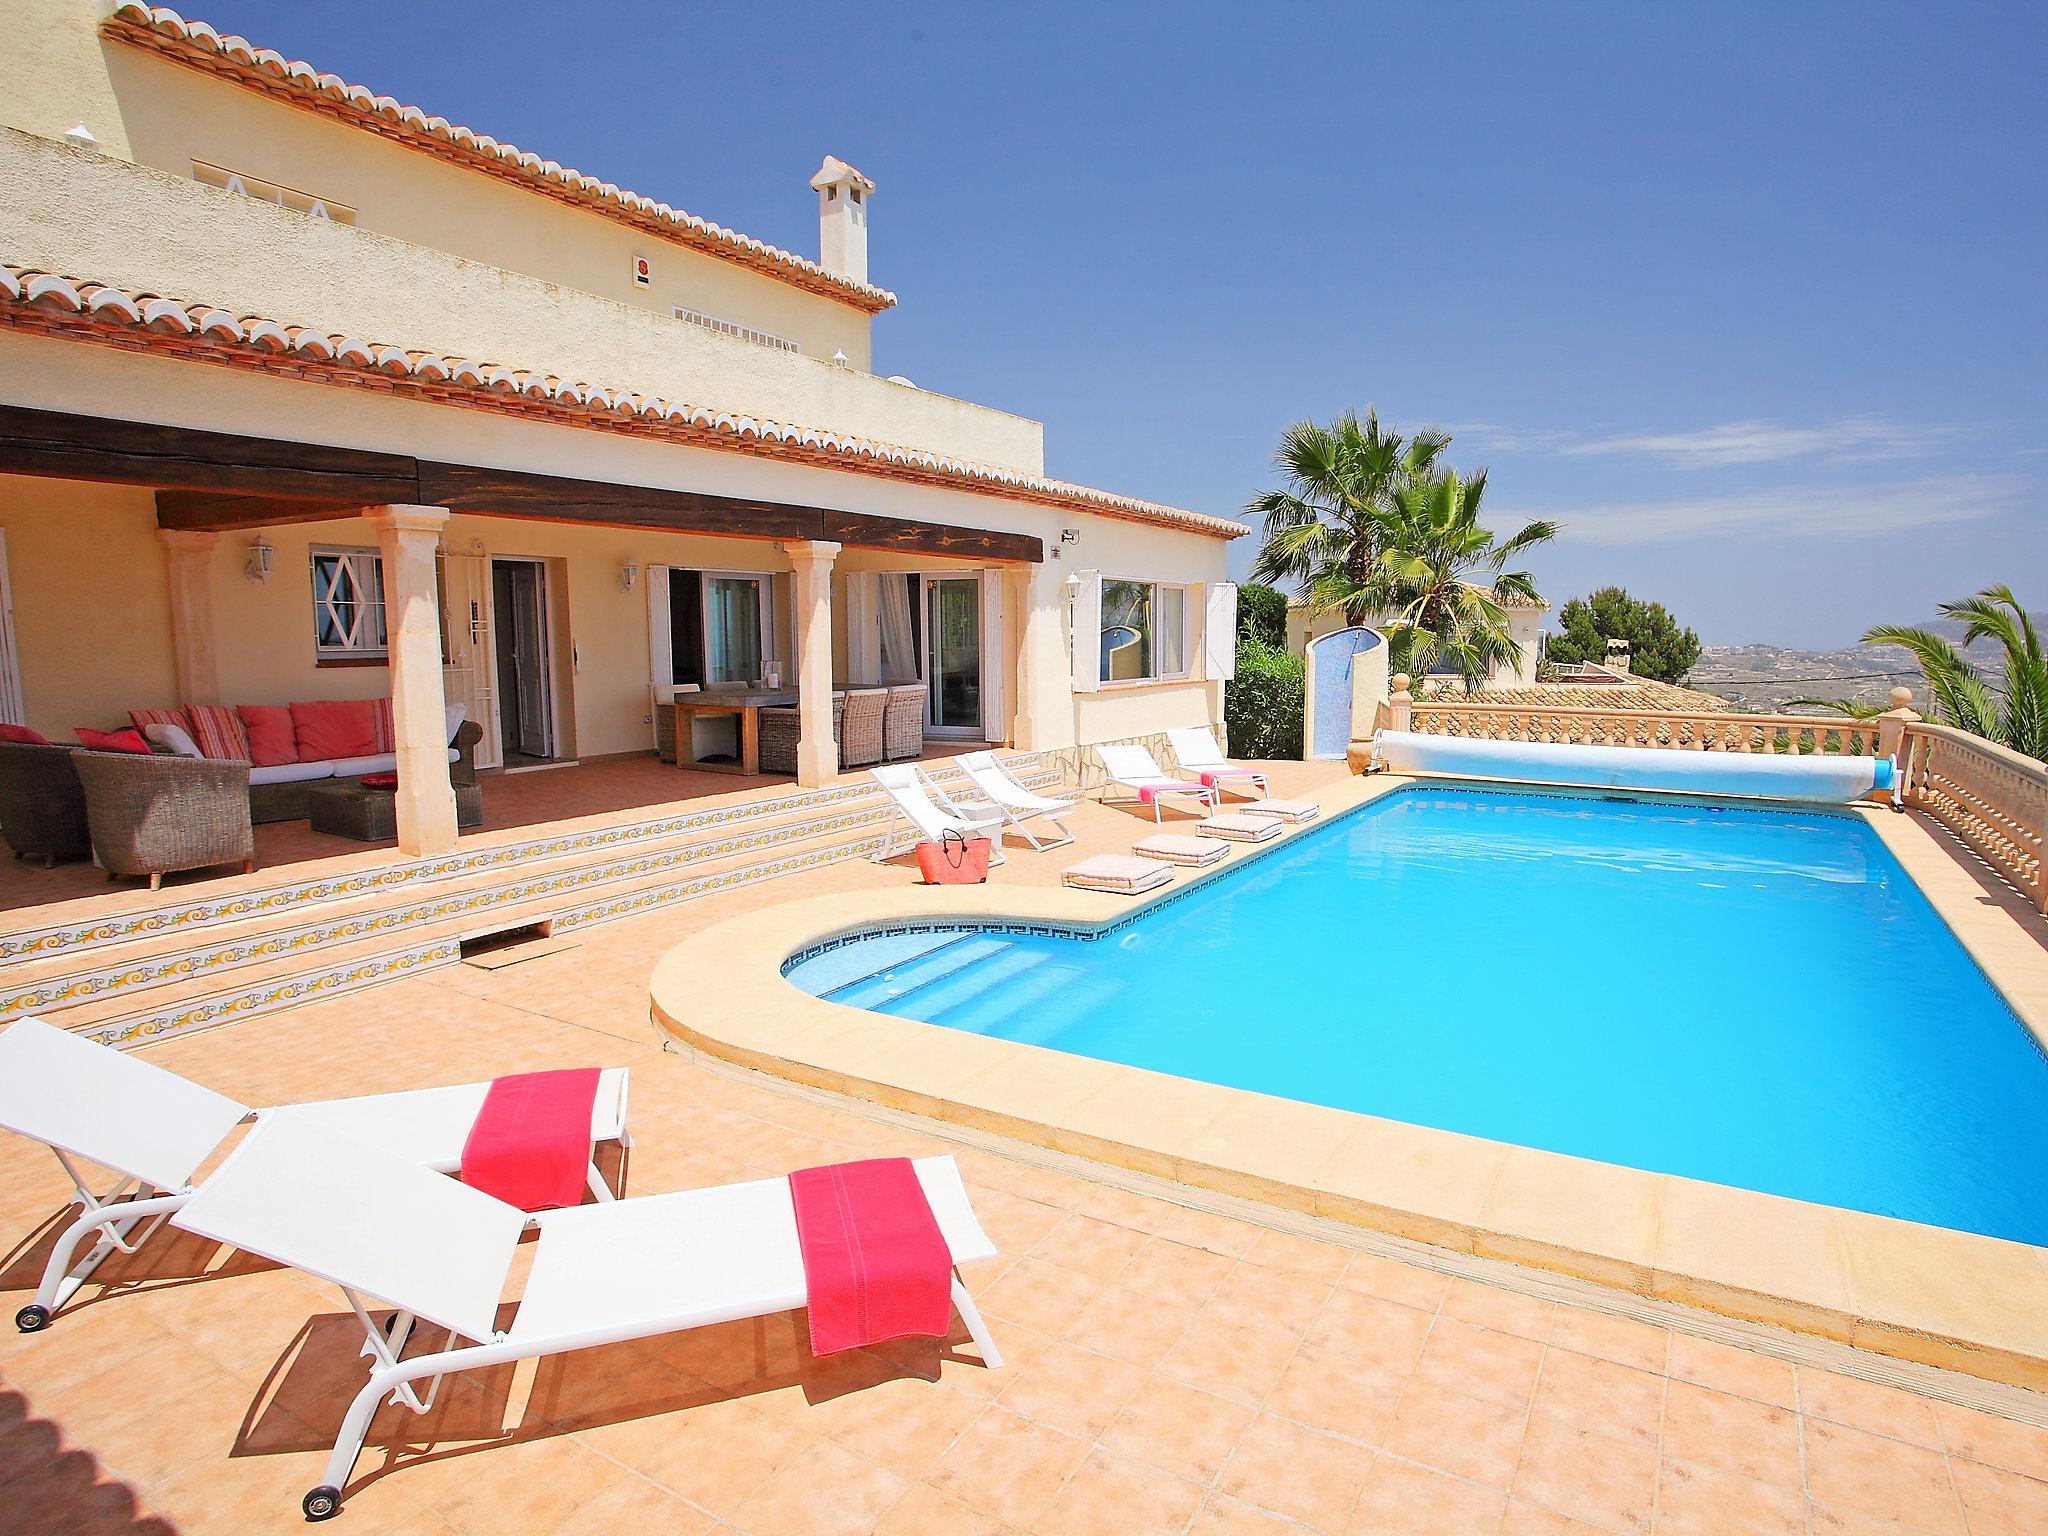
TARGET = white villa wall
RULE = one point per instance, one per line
(181, 237)
(58, 71)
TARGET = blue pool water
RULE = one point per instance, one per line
(1758, 998)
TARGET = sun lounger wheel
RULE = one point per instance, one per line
(32, 1318)
(323, 1503)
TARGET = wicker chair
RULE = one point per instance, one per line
(42, 804)
(782, 728)
(156, 815)
(860, 733)
(903, 722)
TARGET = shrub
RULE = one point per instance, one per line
(1262, 705)
(1261, 614)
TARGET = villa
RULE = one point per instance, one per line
(509, 1072)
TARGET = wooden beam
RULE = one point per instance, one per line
(204, 510)
(220, 480)
(63, 446)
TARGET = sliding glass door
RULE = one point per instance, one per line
(734, 607)
(952, 630)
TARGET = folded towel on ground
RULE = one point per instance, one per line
(1285, 810)
(530, 1145)
(1174, 848)
(1118, 874)
(876, 1266)
(1240, 828)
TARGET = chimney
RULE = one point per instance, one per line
(843, 195)
(1618, 658)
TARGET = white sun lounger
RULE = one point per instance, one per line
(153, 1128)
(1019, 805)
(441, 1252)
(913, 803)
(1133, 768)
(1198, 754)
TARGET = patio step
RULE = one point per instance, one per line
(177, 979)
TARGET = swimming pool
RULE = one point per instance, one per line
(1754, 997)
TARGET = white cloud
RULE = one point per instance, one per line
(1850, 440)
(1789, 512)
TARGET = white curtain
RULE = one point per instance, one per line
(863, 629)
(899, 664)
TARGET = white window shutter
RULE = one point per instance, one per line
(661, 654)
(995, 720)
(1087, 635)
(1219, 631)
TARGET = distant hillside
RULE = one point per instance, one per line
(1766, 677)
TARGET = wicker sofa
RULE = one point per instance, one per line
(285, 798)
(153, 815)
(42, 803)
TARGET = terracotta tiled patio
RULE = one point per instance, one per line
(1170, 1369)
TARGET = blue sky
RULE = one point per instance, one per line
(1749, 297)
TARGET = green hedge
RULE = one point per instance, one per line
(1262, 705)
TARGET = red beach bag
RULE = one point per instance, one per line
(954, 860)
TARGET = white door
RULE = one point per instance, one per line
(466, 644)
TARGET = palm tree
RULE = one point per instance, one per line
(1439, 581)
(1961, 697)
(1337, 477)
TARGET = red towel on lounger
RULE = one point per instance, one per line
(530, 1146)
(876, 1266)
(1147, 793)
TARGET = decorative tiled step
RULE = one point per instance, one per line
(33, 942)
(391, 940)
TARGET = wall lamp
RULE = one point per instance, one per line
(257, 567)
(628, 574)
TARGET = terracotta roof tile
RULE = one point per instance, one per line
(52, 304)
(162, 30)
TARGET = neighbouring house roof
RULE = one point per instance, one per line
(50, 304)
(194, 43)
(1622, 691)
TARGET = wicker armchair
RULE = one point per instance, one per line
(860, 733)
(156, 815)
(42, 804)
(903, 722)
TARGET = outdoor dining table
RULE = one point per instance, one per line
(744, 705)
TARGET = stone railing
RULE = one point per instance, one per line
(1699, 730)
(1993, 798)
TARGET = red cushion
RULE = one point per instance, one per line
(218, 733)
(331, 728)
(23, 735)
(269, 729)
(142, 719)
(112, 741)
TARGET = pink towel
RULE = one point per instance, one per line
(1147, 793)
(530, 1146)
(876, 1266)
(1214, 776)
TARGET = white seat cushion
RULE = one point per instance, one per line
(356, 767)
(291, 773)
(455, 715)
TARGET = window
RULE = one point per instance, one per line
(706, 322)
(348, 605)
(269, 192)
(1144, 631)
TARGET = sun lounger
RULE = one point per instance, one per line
(1200, 756)
(1020, 806)
(1282, 810)
(912, 800)
(441, 1253)
(1117, 874)
(1132, 768)
(153, 1129)
(1176, 848)
(1240, 828)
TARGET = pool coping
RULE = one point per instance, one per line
(1951, 1299)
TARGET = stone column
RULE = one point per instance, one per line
(1043, 711)
(1400, 705)
(817, 754)
(188, 559)
(407, 537)
(1892, 742)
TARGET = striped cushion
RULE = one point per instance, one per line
(386, 734)
(218, 730)
(144, 718)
